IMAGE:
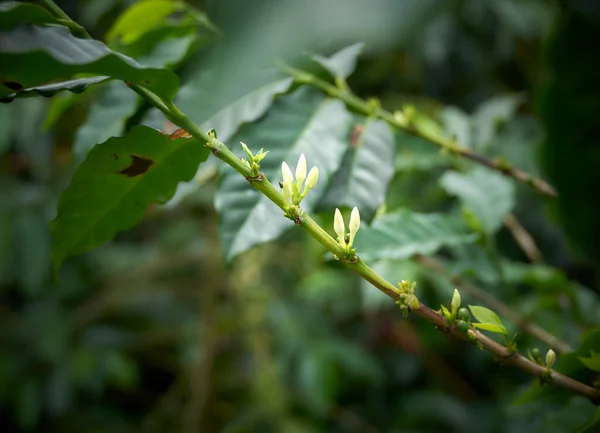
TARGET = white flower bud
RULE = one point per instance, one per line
(287, 191)
(354, 224)
(550, 358)
(455, 304)
(311, 180)
(301, 171)
(286, 173)
(339, 227)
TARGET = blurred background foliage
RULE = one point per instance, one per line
(154, 332)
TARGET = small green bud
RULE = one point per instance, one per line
(247, 151)
(463, 314)
(260, 155)
(462, 326)
(535, 352)
(414, 303)
(400, 118)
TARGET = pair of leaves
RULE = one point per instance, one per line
(488, 320)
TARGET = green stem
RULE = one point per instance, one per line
(448, 145)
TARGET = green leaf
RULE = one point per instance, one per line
(415, 154)
(366, 170)
(404, 233)
(593, 421)
(7, 127)
(225, 107)
(30, 56)
(113, 186)
(575, 415)
(142, 17)
(489, 320)
(341, 64)
(169, 52)
(489, 115)
(106, 118)
(77, 86)
(304, 122)
(31, 252)
(489, 196)
(593, 362)
(14, 13)
(491, 327)
(318, 379)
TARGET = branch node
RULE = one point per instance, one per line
(259, 178)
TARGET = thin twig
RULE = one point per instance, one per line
(523, 238)
(446, 144)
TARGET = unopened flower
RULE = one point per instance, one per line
(301, 171)
(286, 173)
(287, 192)
(455, 304)
(311, 180)
(339, 227)
(354, 224)
(550, 358)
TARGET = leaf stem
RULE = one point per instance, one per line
(447, 144)
(65, 19)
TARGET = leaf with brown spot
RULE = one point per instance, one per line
(139, 165)
(104, 197)
(179, 133)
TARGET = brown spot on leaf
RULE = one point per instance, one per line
(139, 165)
(179, 133)
(115, 156)
(147, 82)
(356, 135)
